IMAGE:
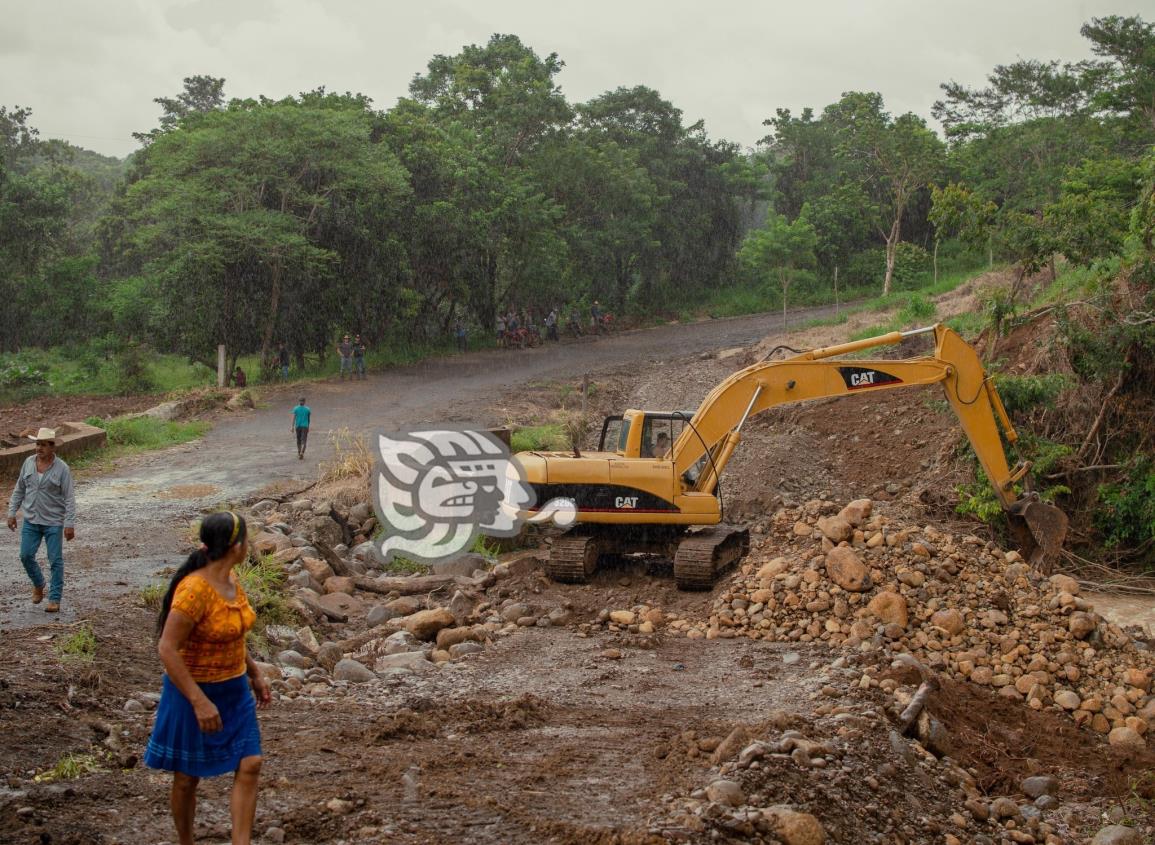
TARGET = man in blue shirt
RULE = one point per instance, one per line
(44, 491)
(301, 418)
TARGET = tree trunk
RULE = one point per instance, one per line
(990, 251)
(782, 278)
(936, 259)
(274, 307)
(891, 253)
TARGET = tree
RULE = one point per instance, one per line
(1126, 80)
(201, 94)
(956, 211)
(893, 159)
(779, 250)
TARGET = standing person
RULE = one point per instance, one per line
(459, 333)
(345, 350)
(239, 377)
(302, 414)
(551, 325)
(500, 330)
(358, 357)
(596, 316)
(206, 721)
(46, 494)
(283, 360)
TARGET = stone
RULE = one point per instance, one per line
(342, 603)
(292, 658)
(379, 614)
(857, 512)
(1046, 802)
(775, 567)
(352, 671)
(890, 608)
(461, 606)
(1117, 834)
(414, 661)
(734, 742)
(978, 809)
(726, 792)
(463, 564)
(1065, 584)
(340, 806)
(847, 571)
(304, 579)
(133, 706)
(397, 643)
(1081, 625)
(795, 828)
(449, 637)
(424, 624)
(271, 542)
(286, 556)
(1067, 699)
(623, 617)
(949, 620)
(1004, 808)
(339, 584)
(328, 655)
(1127, 739)
(405, 605)
(462, 649)
(1038, 785)
(513, 612)
(1139, 678)
(835, 528)
(612, 654)
(307, 639)
(369, 553)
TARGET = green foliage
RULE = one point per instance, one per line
(141, 433)
(14, 375)
(1126, 512)
(918, 309)
(979, 499)
(133, 373)
(548, 437)
(151, 595)
(262, 580)
(1023, 393)
(486, 547)
(79, 646)
(71, 767)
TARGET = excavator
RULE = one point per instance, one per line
(652, 485)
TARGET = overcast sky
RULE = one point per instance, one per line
(90, 70)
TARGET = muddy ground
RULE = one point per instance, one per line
(542, 738)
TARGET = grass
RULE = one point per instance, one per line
(129, 436)
(549, 437)
(70, 767)
(352, 457)
(79, 647)
(262, 579)
(151, 595)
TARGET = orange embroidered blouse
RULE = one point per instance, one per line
(215, 649)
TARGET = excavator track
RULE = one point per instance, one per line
(705, 554)
(572, 558)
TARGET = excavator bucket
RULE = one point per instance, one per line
(1039, 529)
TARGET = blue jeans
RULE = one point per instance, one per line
(284, 372)
(346, 365)
(53, 537)
(359, 366)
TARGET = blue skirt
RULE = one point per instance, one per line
(178, 744)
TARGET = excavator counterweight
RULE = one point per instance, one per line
(641, 493)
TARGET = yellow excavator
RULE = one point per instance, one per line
(651, 487)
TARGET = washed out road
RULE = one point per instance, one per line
(133, 522)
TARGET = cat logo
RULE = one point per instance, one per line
(626, 502)
(856, 378)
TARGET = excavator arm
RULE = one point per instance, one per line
(705, 445)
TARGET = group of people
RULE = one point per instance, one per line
(520, 329)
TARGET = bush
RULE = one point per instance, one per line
(1126, 513)
(16, 375)
(148, 432)
(1022, 393)
(869, 267)
(133, 373)
(918, 309)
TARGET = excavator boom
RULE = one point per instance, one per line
(701, 452)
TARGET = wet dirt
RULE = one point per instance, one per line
(540, 738)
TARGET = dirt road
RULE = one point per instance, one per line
(132, 522)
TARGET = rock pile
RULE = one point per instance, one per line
(963, 607)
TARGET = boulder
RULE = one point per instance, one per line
(857, 512)
(515, 611)
(464, 564)
(1081, 625)
(405, 605)
(414, 661)
(286, 556)
(835, 528)
(369, 553)
(270, 542)
(399, 642)
(379, 614)
(424, 624)
(950, 620)
(340, 584)
(1117, 834)
(342, 603)
(462, 649)
(449, 637)
(890, 608)
(1039, 785)
(1065, 584)
(329, 655)
(623, 617)
(847, 571)
(318, 569)
(307, 640)
(352, 671)
(775, 567)
(795, 828)
(1127, 739)
(727, 792)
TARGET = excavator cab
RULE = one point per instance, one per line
(643, 434)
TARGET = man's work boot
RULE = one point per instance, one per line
(37, 594)
(52, 607)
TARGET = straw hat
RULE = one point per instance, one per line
(44, 434)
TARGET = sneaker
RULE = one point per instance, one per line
(37, 595)
(52, 607)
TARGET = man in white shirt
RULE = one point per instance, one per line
(46, 494)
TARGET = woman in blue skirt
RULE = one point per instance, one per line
(206, 722)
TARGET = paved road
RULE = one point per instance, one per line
(133, 522)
